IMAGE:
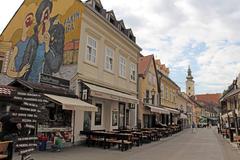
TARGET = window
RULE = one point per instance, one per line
(133, 68)
(147, 96)
(97, 8)
(114, 118)
(166, 93)
(1, 65)
(91, 50)
(127, 117)
(153, 98)
(162, 90)
(122, 67)
(170, 95)
(109, 59)
(112, 20)
(98, 115)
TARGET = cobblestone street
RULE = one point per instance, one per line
(206, 144)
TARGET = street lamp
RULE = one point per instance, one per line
(147, 99)
(153, 92)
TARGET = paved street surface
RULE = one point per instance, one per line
(206, 144)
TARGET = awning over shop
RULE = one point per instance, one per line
(158, 110)
(173, 111)
(183, 116)
(230, 114)
(72, 103)
(106, 93)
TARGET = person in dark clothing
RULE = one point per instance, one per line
(22, 130)
(9, 129)
(9, 132)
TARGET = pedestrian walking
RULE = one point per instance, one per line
(193, 127)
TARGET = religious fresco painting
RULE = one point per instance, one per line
(44, 37)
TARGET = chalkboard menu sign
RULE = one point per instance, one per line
(27, 111)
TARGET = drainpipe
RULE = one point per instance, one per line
(138, 88)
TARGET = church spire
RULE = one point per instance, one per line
(190, 91)
(189, 76)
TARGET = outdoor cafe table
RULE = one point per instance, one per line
(108, 137)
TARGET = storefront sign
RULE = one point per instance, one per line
(27, 112)
(47, 79)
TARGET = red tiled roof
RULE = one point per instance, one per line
(143, 64)
(209, 98)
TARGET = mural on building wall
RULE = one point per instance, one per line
(44, 37)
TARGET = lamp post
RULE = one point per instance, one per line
(153, 92)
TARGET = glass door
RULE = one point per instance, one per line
(87, 121)
(121, 124)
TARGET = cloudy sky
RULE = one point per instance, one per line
(204, 34)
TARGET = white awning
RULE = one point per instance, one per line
(183, 116)
(173, 111)
(72, 103)
(158, 110)
(106, 93)
(230, 114)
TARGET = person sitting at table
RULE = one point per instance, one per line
(58, 142)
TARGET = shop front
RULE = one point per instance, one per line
(174, 116)
(20, 113)
(62, 110)
(62, 115)
(116, 110)
(154, 116)
(184, 120)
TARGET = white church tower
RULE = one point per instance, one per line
(190, 83)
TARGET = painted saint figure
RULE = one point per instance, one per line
(44, 51)
(14, 67)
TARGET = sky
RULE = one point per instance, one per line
(203, 34)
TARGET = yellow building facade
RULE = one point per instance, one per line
(148, 92)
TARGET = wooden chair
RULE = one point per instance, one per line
(3, 149)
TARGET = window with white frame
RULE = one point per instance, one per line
(162, 90)
(1, 65)
(133, 72)
(109, 59)
(122, 66)
(91, 50)
(166, 93)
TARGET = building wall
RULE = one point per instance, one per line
(147, 83)
(168, 93)
(99, 29)
(46, 45)
(181, 103)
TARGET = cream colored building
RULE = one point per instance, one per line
(185, 106)
(169, 91)
(107, 70)
(149, 110)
